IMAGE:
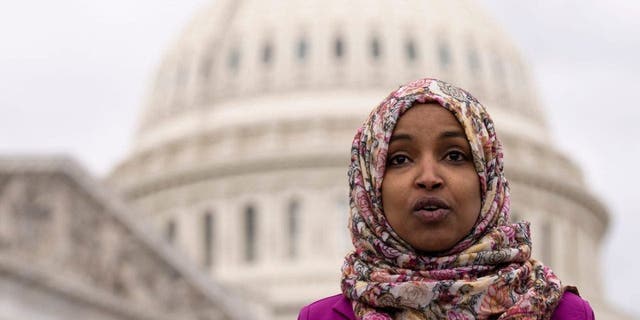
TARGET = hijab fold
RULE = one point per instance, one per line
(489, 274)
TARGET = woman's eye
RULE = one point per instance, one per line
(456, 156)
(398, 160)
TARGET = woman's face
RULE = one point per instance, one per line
(430, 189)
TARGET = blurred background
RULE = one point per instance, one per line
(190, 137)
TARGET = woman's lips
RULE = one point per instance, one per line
(431, 216)
(431, 209)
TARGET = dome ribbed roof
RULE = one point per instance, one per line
(238, 49)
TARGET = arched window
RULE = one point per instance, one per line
(170, 231)
(233, 60)
(474, 61)
(410, 50)
(249, 234)
(293, 230)
(444, 55)
(338, 48)
(267, 54)
(376, 49)
(207, 238)
(301, 50)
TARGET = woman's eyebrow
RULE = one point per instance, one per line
(453, 134)
(401, 136)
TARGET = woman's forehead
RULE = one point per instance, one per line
(429, 116)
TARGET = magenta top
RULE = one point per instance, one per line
(570, 307)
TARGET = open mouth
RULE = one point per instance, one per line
(430, 204)
(431, 209)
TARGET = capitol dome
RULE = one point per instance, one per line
(242, 148)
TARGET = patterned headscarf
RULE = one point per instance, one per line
(488, 274)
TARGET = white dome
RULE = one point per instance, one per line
(240, 49)
(250, 119)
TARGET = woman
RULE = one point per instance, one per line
(430, 220)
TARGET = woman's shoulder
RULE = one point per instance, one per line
(332, 307)
(572, 306)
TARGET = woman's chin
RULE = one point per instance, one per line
(434, 248)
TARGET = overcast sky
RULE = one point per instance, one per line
(73, 74)
(585, 58)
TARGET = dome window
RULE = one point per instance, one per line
(474, 61)
(376, 50)
(338, 48)
(267, 54)
(293, 221)
(170, 231)
(301, 50)
(410, 50)
(249, 234)
(444, 55)
(207, 235)
(233, 61)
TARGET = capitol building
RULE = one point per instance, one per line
(235, 185)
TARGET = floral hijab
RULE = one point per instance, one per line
(489, 274)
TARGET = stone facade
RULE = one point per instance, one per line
(69, 249)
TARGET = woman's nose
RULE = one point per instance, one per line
(428, 176)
